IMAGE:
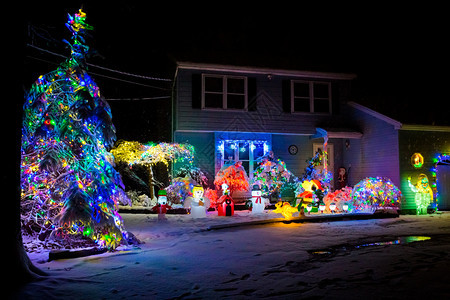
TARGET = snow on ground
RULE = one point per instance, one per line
(182, 260)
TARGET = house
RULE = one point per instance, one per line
(241, 113)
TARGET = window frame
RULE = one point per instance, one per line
(251, 158)
(312, 99)
(225, 92)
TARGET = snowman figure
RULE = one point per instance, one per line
(197, 203)
(258, 203)
(162, 206)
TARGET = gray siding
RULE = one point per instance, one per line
(295, 163)
(269, 116)
(376, 153)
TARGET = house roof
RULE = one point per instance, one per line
(264, 70)
(395, 123)
(398, 124)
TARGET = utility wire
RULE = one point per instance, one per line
(103, 68)
(109, 77)
(137, 99)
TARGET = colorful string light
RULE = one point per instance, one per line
(69, 186)
(376, 193)
(134, 153)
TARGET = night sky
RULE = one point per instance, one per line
(398, 53)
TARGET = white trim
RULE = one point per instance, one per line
(345, 135)
(425, 128)
(322, 133)
(254, 132)
(268, 71)
(395, 123)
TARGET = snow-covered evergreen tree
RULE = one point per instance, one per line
(68, 181)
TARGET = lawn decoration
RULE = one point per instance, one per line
(162, 206)
(197, 203)
(233, 176)
(258, 203)
(285, 209)
(423, 193)
(225, 203)
(379, 193)
(312, 194)
(342, 200)
(271, 175)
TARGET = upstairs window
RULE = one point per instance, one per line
(224, 92)
(310, 96)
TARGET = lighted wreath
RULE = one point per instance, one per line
(417, 160)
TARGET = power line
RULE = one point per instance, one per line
(109, 77)
(132, 82)
(104, 68)
(130, 74)
(141, 98)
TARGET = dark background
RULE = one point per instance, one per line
(399, 53)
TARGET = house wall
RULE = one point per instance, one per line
(268, 117)
(428, 143)
(206, 144)
(376, 153)
(267, 120)
(294, 163)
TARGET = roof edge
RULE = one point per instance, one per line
(373, 113)
(260, 70)
(425, 127)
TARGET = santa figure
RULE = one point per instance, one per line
(341, 180)
(226, 203)
(197, 203)
(162, 206)
(258, 203)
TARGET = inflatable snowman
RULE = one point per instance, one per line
(258, 203)
(197, 203)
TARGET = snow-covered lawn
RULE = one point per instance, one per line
(181, 259)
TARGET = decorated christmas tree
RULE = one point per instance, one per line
(69, 185)
(272, 175)
(234, 176)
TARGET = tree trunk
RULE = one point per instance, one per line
(150, 181)
(22, 270)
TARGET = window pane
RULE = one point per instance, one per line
(228, 151)
(213, 84)
(245, 164)
(235, 85)
(321, 106)
(301, 105)
(258, 151)
(236, 101)
(321, 90)
(255, 165)
(243, 151)
(301, 89)
(213, 100)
